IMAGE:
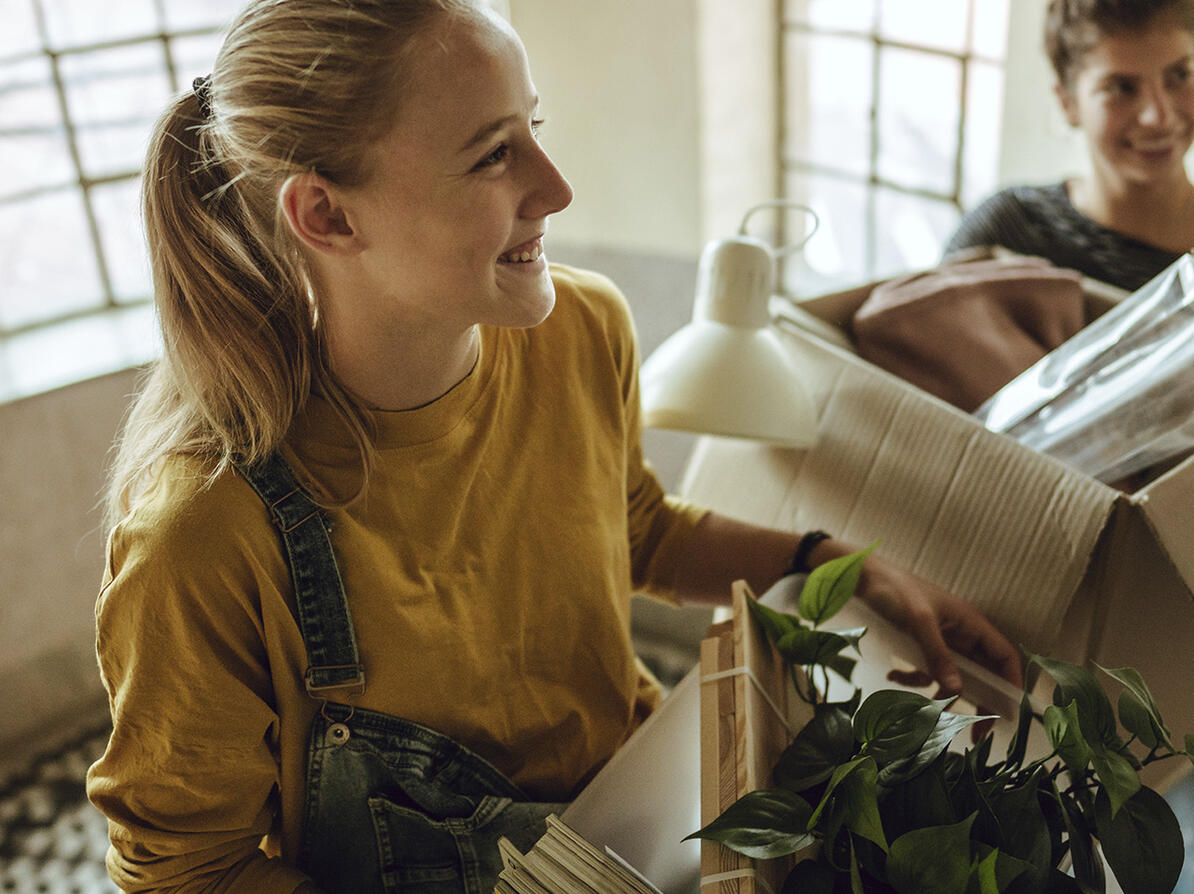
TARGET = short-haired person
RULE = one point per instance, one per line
(380, 506)
(1125, 78)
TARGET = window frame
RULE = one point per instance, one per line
(789, 21)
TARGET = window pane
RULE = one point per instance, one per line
(33, 146)
(829, 101)
(194, 57)
(78, 349)
(19, 34)
(853, 15)
(115, 96)
(910, 231)
(940, 24)
(117, 210)
(984, 119)
(990, 28)
(73, 23)
(836, 255)
(918, 119)
(47, 259)
(183, 15)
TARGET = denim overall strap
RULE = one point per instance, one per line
(332, 659)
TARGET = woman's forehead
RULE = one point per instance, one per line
(462, 76)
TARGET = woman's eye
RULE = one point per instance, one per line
(497, 156)
(1179, 77)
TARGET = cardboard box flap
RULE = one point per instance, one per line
(1165, 504)
(1001, 525)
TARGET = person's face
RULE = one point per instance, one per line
(1133, 97)
(455, 207)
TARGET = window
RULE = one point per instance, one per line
(891, 113)
(81, 85)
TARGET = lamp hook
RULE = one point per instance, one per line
(780, 252)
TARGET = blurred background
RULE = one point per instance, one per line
(670, 118)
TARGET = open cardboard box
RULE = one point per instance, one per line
(1065, 565)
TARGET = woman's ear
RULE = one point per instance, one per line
(316, 215)
(1068, 106)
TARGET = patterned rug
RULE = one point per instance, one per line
(52, 841)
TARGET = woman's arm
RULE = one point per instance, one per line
(722, 550)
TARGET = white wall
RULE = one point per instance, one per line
(1038, 146)
(52, 459)
(618, 82)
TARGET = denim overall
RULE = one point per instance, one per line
(391, 805)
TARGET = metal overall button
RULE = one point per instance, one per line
(338, 733)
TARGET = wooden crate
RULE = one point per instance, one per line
(749, 712)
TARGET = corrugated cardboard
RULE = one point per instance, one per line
(1065, 565)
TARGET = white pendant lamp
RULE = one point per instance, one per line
(726, 373)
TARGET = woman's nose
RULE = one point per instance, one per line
(548, 191)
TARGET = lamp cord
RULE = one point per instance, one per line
(783, 203)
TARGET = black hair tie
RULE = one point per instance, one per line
(201, 87)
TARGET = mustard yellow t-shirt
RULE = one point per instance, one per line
(488, 569)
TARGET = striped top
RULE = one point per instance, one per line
(1041, 220)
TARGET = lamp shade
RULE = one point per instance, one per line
(726, 373)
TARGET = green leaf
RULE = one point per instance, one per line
(842, 665)
(855, 875)
(948, 725)
(1023, 829)
(1134, 716)
(830, 585)
(1087, 863)
(1190, 747)
(1018, 746)
(775, 624)
(893, 723)
(1142, 842)
(804, 646)
(1142, 698)
(825, 742)
(1064, 729)
(1077, 684)
(984, 872)
(810, 877)
(996, 870)
(854, 793)
(934, 860)
(922, 800)
(1118, 776)
(763, 824)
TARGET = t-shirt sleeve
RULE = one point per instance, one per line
(189, 780)
(659, 524)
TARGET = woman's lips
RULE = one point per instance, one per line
(525, 253)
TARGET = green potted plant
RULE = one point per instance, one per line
(870, 789)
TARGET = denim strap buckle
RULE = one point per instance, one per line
(338, 680)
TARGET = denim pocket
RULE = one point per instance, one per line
(421, 854)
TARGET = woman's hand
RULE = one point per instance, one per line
(939, 622)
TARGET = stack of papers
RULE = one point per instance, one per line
(562, 862)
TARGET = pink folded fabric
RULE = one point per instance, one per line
(963, 331)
